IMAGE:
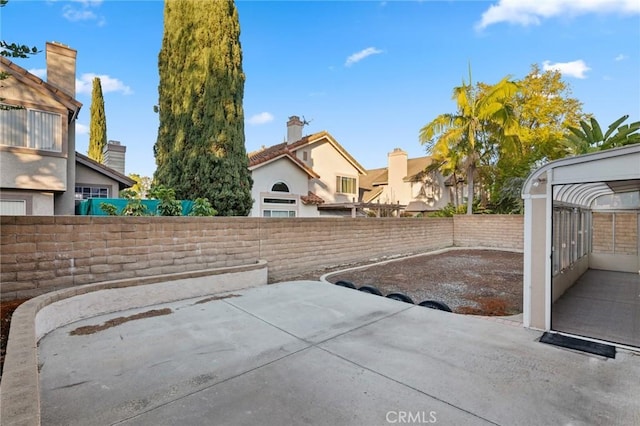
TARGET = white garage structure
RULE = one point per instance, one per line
(581, 247)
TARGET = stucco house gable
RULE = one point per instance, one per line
(330, 174)
(33, 91)
(94, 179)
(266, 156)
(405, 182)
(37, 141)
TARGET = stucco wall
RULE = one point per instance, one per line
(282, 170)
(41, 254)
(89, 177)
(36, 203)
(31, 170)
(328, 163)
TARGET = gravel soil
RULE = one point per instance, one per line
(478, 282)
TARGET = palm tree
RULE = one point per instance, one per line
(461, 138)
(590, 137)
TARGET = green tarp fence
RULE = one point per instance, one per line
(91, 206)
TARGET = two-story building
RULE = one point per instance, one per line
(314, 176)
(38, 161)
(406, 182)
(306, 176)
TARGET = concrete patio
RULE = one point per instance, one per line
(311, 353)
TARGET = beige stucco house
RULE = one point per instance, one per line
(39, 166)
(406, 182)
(306, 176)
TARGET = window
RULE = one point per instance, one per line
(278, 201)
(346, 185)
(278, 213)
(29, 128)
(13, 207)
(85, 192)
(570, 237)
(305, 156)
(280, 187)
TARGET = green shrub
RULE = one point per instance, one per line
(135, 208)
(202, 207)
(128, 194)
(168, 205)
(109, 209)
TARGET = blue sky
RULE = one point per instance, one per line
(371, 73)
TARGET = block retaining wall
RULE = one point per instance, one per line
(496, 231)
(39, 254)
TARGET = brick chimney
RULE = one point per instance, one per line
(61, 67)
(113, 155)
(294, 129)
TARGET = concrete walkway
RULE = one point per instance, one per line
(312, 353)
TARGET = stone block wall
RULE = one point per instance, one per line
(39, 254)
(291, 247)
(497, 231)
(45, 253)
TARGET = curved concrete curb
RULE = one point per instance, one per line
(324, 277)
(20, 386)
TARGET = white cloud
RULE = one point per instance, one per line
(262, 118)
(621, 57)
(575, 69)
(72, 14)
(358, 56)
(83, 10)
(109, 84)
(81, 129)
(39, 72)
(531, 12)
(95, 3)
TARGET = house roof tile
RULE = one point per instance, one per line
(370, 184)
(268, 154)
(311, 198)
(272, 153)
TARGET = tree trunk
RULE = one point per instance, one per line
(470, 172)
(455, 190)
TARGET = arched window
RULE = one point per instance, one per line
(280, 187)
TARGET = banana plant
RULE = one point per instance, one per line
(589, 137)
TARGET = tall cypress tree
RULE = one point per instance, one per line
(98, 125)
(200, 148)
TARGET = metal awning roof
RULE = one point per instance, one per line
(585, 194)
(582, 180)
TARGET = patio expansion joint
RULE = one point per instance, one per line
(309, 345)
(401, 383)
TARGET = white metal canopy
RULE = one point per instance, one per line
(581, 180)
(607, 179)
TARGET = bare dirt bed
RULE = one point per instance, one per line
(478, 282)
(6, 310)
